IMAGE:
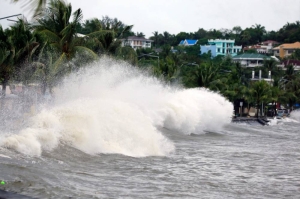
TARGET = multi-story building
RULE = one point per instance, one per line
(137, 42)
(252, 59)
(285, 50)
(220, 47)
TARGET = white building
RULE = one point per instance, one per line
(136, 42)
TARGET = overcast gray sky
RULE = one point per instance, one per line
(175, 16)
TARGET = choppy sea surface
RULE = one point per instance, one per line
(113, 131)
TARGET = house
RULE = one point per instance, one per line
(136, 42)
(264, 47)
(268, 79)
(258, 48)
(251, 59)
(220, 47)
(294, 63)
(285, 50)
(270, 43)
(188, 42)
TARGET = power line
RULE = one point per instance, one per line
(10, 16)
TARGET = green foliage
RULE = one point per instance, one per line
(128, 54)
(54, 48)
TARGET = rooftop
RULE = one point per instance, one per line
(251, 56)
(254, 47)
(269, 42)
(188, 41)
(288, 46)
(136, 38)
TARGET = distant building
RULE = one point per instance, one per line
(268, 79)
(294, 63)
(258, 48)
(220, 47)
(188, 42)
(285, 50)
(264, 47)
(251, 59)
(271, 43)
(136, 42)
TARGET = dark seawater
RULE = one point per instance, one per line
(241, 161)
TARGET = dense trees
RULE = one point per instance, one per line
(60, 42)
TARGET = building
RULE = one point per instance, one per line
(285, 50)
(264, 47)
(258, 48)
(136, 42)
(268, 79)
(270, 43)
(220, 47)
(251, 59)
(188, 42)
(294, 63)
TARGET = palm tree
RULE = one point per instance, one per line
(7, 55)
(45, 70)
(293, 89)
(17, 46)
(61, 33)
(260, 91)
(127, 53)
(156, 36)
(25, 46)
(36, 5)
(259, 31)
(167, 69)
(106, 37)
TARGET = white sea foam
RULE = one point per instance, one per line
(295, 115)
(112, 107)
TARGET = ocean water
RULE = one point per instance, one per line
(113, 131)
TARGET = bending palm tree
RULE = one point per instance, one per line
(37, 5)
(61, 33)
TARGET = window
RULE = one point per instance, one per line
(218, 50)
(290, 51)
(234, 50)
(223, 51)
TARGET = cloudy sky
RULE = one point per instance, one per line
(175, 16)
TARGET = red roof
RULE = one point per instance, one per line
(254, 47)
(269, 42)
(291, 62)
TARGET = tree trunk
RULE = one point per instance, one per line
(3, 91)
(257, 108)
(44, 87)
(275, 110)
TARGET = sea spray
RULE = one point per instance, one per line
(112, 107)
(295, 115)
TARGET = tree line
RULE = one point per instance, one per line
(60, 42)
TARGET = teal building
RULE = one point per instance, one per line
(220, 47)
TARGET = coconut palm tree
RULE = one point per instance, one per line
(7, 55)
(260, 91)
(36, 5)
(45, 70)
(61, 33)
(127, 53)
(156, 37)
(17, 46)
(106, 36)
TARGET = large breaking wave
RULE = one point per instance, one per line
(112, 107)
